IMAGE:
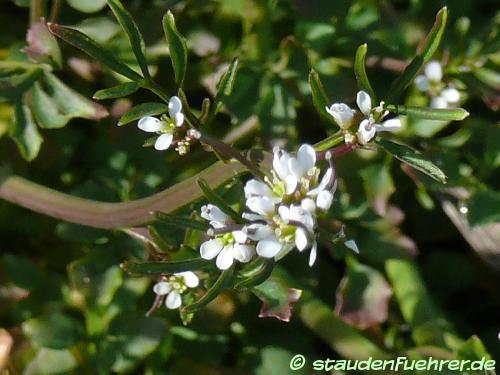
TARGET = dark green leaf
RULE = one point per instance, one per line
(177, 47)
(378, 185)
(53, 330)
(217, 200)
(220, 284)
(160, 241)
(49, 361)
(118, 91)
(483, 207)
(277, 298)
(141, 110)
(439, 114)
(320, 100)
(254, 273)
(225, 86)
(13, 87)
(133, 34)
(205, 110)
(360, 72)
(25, 133)
(157, 268)
(424, 54)
(181, 222)
(413, 159)
(90, 47)
(46, 112)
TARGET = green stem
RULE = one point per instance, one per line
(329, 142)
(37, 10)
(156, 89)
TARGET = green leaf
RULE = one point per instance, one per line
(379, 186)
(87, 6)
(483, 207)
(277, 298)
(220, 284)
(53, 330)
(360, 72)
(25, 133)
(133, 34)
(42, 45)
(141, 110)
(177, 47)
(94, 50)
(50, 362)
(118, 91)
(254, 273)
(160, 241)
(45, 110)
(424, 54)
(181, 222)
(217, 200)
(70, 102)
(12, 87)
(225, 86)
(319, 97)
(439, 114)
(473, 350)
(157, 268)
(413, 159)
(363, 296)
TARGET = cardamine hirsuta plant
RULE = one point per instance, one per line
(286, 195)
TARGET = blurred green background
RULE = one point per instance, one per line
(426, 281)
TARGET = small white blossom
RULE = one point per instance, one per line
(441, 94)
(164, 127)
(342, 114)
(227, 246)
(174, 286)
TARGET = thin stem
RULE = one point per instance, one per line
(336, 151)
(37, 10)
(156, 89)
(330, 141)
(55, 10)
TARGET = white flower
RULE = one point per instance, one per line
(442, 96)
(342, 114)
(226, 245)
(174, 286)
(370, 126)
(165, 126)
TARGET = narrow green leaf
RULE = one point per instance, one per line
(160, 241)
(133, 34)
(141, 110)
(94, 50)
(156, 268)
(254, 273)
(45, 110)
(360, 72)
(177, 47)
(413, 159)
(319, 97)
(25, 133)
(225, 86)
(181, 222)
(220, 284)
(118, 91)
(205, 110)
(217, 200)
(13, 87)
(424, 54)
(438, 114)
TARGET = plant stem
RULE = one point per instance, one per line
(37, 10)
(156, 89)
(55, 10)
(329, 142)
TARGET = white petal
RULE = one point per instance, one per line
(291, 183)
(306, 156)
(313, 254)
(422, 83)
(261, 205)
(239, 236)
(451, 95)
(214, 214)
(256, 187)
(301, 240)
(174, 300)
(268, 248)
(327, 177)
(209, 249)
(150, 124)
(179, 119)
(364, 102)
(308, 205)
(433, 71)
(324, 200)
(351, 244)
(190, 278)
(161, 288)
(365, 132)
(164, 141)
(284, 213)
(390, 125)
(257, 232)
(342, 114)
(244, 253)
(252, 217)
(439, 102)
(174, 106)
(280, 164)
(225, 258)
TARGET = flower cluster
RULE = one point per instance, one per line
(173, 286)
(442, 95)
(169, 128)
(282, 212)
(370, 121)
